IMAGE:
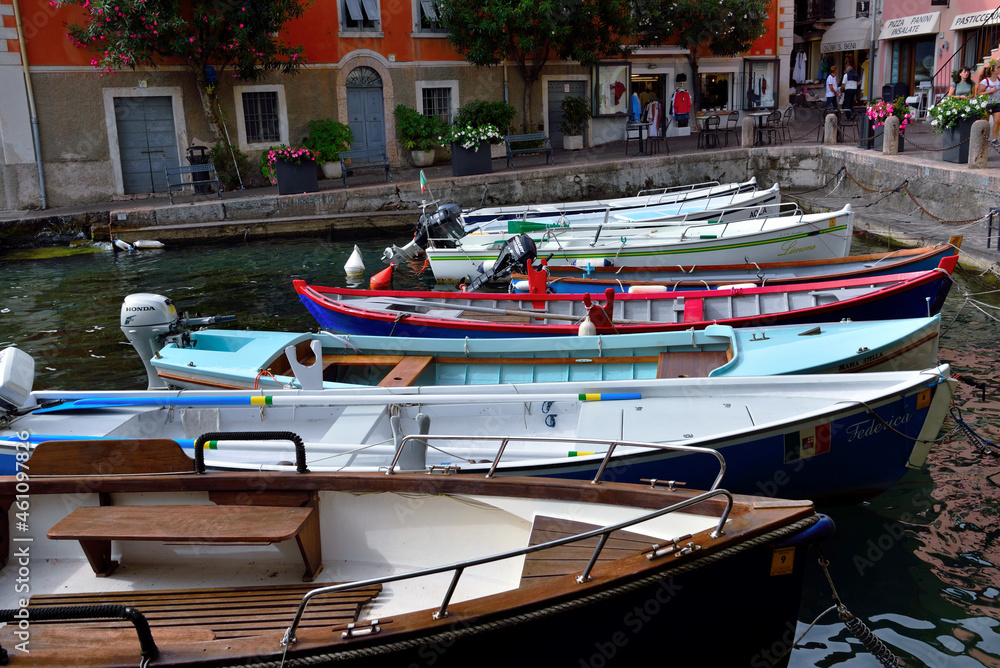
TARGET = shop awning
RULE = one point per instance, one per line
(910, 26)
(975, 19)
(847, 35)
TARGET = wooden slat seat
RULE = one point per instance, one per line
(690, 364)
(228, 612)
(573, 558)
(96, 526)
(406, 372)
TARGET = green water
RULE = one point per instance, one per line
(918, 563)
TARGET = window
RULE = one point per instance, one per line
(437, 102)
(977, 43)
(260, 117)
(429, 16)
(361, 15)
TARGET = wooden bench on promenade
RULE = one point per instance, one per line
(175, 178)
(365, 159)
(538, 143)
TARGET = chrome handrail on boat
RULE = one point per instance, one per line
(612, 444)
(460, 567)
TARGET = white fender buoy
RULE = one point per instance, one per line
(646, 289)
(591, 263)
(123, 245)
(355, 265)
(147, 244)
(587, 328)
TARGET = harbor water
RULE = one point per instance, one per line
(918, 564)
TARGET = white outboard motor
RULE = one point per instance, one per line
(17, 375)
(151, 321)
(147, 320)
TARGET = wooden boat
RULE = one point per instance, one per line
(644, 198)
(836, 437)
(203, 569)
(242, 359)
(730, 206)
(476, 314)
(572, 279)
(769, 239)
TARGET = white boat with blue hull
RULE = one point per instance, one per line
(832, 437)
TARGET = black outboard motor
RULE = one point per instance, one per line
(516, 253)
(444, 227)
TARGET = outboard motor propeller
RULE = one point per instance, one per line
(150, 321)
(516, 253)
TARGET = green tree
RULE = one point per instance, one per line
(236, 38)
(723, 27)
(530, 32)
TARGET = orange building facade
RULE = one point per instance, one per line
(110, 136)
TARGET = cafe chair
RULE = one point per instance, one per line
(653, 143)
(733, 125)
(632, 131)
(786, 120)
(709, 135)
(847, 127)
(772, 128)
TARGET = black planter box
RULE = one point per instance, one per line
(465, 161)
(955, 142)
(294, 178)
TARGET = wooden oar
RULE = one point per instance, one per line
(511, 311)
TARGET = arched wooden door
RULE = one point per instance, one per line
(365, 109)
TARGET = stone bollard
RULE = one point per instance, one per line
(890, 136)
(830, 129)
(746, 132)
(979, 148)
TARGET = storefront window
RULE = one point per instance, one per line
(716, 90)
(761, 84)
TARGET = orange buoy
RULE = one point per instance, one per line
(383, 279)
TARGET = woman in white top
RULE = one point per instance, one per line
(989, 84)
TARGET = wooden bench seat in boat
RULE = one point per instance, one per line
(276, 516)
(96, 526)
(219, 613)
(573, 558)
(691, 364)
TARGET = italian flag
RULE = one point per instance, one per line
(423, 181)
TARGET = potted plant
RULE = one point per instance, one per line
(497, 113)
(293, 169)
(327, 138)
(418, 133)
(880, 111)
(952, 118)
(576, 113)
(470, 148)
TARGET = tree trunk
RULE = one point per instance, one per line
(210, 105)
(695, 81)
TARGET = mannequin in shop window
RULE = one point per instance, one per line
(680, 103)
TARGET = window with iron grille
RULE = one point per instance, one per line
(361, 15)
(261, 118)
(437, 102)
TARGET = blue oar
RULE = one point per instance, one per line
(325, 400)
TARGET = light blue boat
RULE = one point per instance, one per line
(240, 359)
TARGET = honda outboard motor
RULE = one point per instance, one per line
(444, 227)
(516, 253)
(150, 321)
